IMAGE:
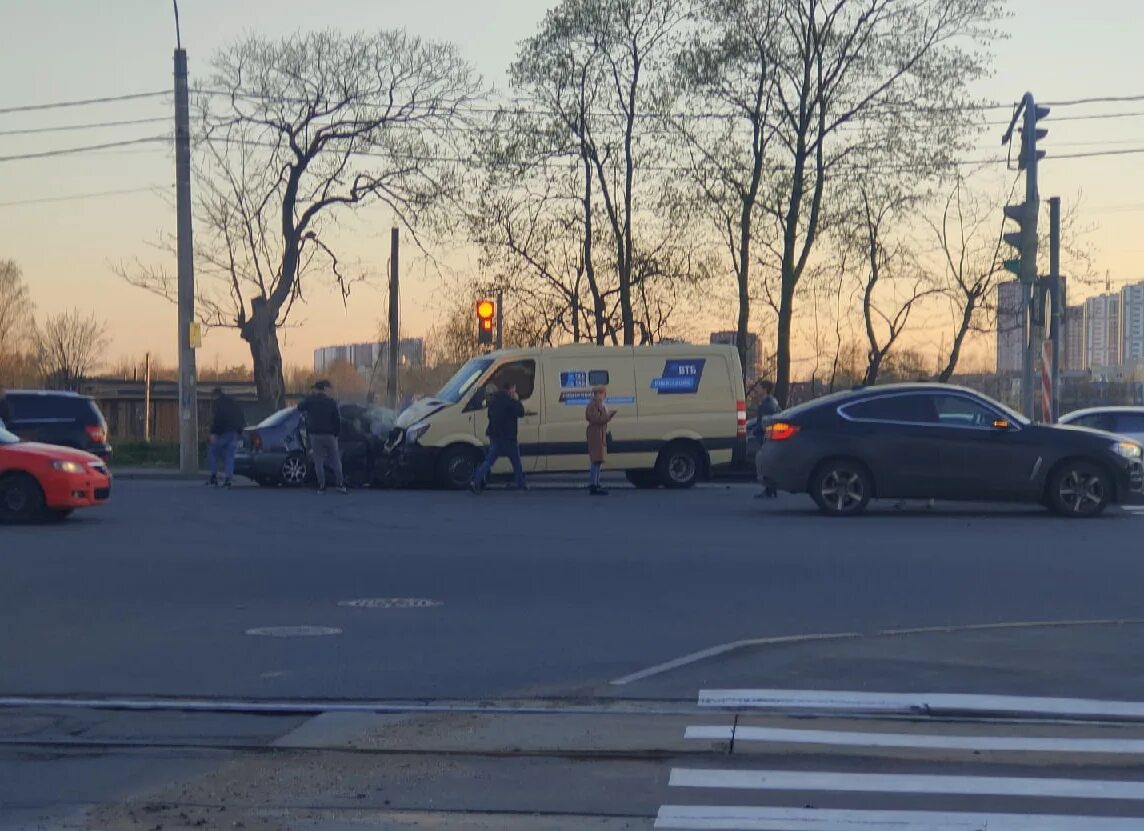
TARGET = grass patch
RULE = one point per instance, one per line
(149, 454)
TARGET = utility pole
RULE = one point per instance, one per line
(188, 392)
(500, 319)
(147, 399)
(1056, 285)
(1025, 240)
(394, 325)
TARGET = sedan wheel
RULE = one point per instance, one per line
(841, 488)
(21, 498)
(294, 471)
(1079, 489)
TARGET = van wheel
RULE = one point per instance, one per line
(21, 499)
(679, 465)
(456, 467)
(643, 478)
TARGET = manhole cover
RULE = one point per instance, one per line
(294, 631)
(391, 603)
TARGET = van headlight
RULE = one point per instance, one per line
(413, 433)
(1128, 449)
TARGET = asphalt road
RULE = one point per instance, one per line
(547, 593)
(613, 613)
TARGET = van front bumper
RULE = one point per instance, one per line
(416, 463)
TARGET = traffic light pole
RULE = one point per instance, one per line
(394, 325)
(500, 319)
(1056, 285)
(1029, 249)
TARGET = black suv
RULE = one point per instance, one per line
(63, 418)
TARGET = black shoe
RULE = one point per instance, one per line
(321, 490)
(227, 484)
(596, 490)
(212, 482)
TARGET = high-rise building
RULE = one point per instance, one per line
(754, 367)
(1102, 328)
(1132, 325)
(1011, 309)
(365, 356)
(1074, 354)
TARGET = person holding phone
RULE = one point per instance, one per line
(598, 417)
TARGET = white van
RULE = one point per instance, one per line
(681, 411)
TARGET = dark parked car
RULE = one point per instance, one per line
(66, 419)
(276, 451)
(934, 441)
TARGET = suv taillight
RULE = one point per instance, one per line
(96, 433)
(741, 419)
(781, 431)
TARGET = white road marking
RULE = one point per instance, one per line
(784, 780)
(1133, 509)
(702, 818)
(836, 738)
(821, 700)
(294, 631)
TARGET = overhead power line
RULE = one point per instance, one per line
(66, 128)
(78, 196)
(67, 151)
(1108, 99)
(84, 102)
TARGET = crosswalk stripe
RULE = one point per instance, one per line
(779, 780)
(778, 735)
(821, 700)
(709, 818)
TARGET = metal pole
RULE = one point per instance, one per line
(188, 393)
(394, 325)
(1029, 254)
(1056, 330)
(500, 319)
(147, 399)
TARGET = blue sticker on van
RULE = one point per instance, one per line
(573, 379)
(680, 377)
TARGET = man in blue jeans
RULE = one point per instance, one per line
(226, 423)
(505, 413)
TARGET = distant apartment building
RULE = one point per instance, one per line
(1011, 310)
(1102, 328)
(1132, 325)
(754, 367)
(365, 356)
(1074, 352)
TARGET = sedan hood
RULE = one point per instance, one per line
(50, 451)
(418, 411)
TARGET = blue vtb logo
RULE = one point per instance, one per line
(679, 377)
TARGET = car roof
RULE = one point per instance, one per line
(1099, 410)
(837, 399)
(48, 393)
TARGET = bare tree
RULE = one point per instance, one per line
(861, 87)
(17, 323)
(69, 346)
(294, 133)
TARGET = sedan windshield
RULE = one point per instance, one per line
(463, 381)
(279, 417)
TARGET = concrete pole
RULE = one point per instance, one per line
(1029, 253)
(147, 399)
(394, 325)
(188, 392)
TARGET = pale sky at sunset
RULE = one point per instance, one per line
(56, 50)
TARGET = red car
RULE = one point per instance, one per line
(45, 481)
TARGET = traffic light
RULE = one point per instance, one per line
(1031, 134)
(1024, 240)
(486, 311)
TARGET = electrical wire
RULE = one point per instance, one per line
(86, 149)
(93, 126)
(77, 196)
(84, 102)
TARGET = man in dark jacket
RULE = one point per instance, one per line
(226, 423)
(323, 426)
(769, 407)
(505, 413)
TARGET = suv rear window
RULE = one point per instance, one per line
(32, 407)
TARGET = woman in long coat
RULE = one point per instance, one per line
(598, 417)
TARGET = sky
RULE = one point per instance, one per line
(68, 248)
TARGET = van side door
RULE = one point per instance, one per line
(569, 381)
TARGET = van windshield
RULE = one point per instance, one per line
(463, 381)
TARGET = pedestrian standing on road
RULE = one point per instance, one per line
(769, 407)
(323, 426)
(505, 412)
(598, 417)
(227, 422)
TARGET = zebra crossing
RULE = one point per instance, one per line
(870, 770)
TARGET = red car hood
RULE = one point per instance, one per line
(48, 451)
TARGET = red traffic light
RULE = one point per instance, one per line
(485, 311)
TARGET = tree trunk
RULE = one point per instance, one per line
(782, 346)
(741, 334)
(958, 340)
(261, 333)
